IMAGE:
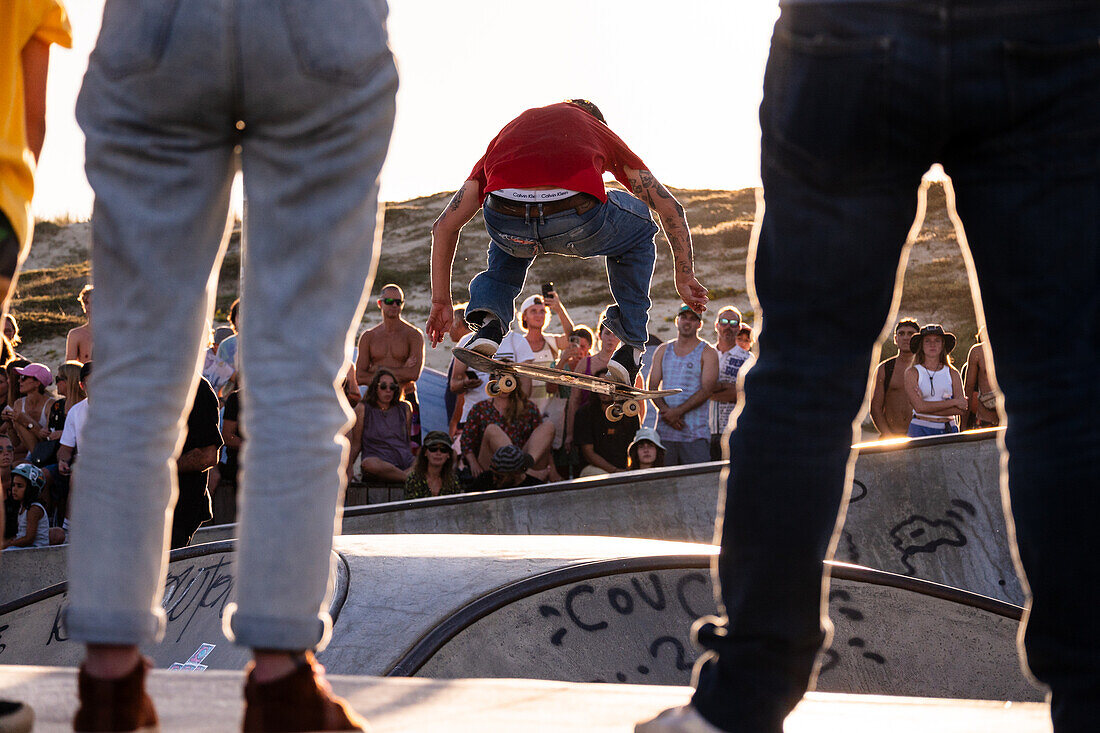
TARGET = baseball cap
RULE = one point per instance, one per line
(685, 308)
(437, 437)
(530, 301)
(41, 372)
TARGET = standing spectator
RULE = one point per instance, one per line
(433, 473)
(689, 364)
(978, 387)
(70, 392)
(744, 337)
(541, 183)
(396, 345)
(27, 483)
(31, 412)
(78, 342)
(603, 444)
(227, 349)
(198, 456)
(533, 346)
(221, 375)
(456, 391)
(890, 408)
(11, 327)
(506, 419)
(74, 426)
(233, 437)
(381, 435)
(645, 451)
(934, 386)
(1002, 94)
(732, 357)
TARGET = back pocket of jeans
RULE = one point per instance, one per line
(826, 104)
(341, 41)
(133, 35)
(1054, 104)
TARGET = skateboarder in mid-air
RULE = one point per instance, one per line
(541, 185)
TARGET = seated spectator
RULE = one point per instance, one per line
(33, 530)
(508, 468)
(589, 364)
(199, 454)
(434, 473)
(464, 383)
(978, 388)
(603, 444)
(458, 333)
(13, 395)
(69, 393)
(5, 423)
(381, 433)
(31, 412)
(507, 419)
(934, 387)
(645, 451)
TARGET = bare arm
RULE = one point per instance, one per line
(674, 222)
(595, 459)
(656, 374)
(464, 204)
(973, 360)
(198, 459)
(945, 408)
(36, 63)
(231, 434)
(355, 437)
(878, 403)
(553, 302)
(363, 369)
(71, 347)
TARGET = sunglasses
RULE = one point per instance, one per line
(438, 449)
(391, 301)
(728, 321)
(388, 387)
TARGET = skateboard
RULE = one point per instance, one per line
(504, 379)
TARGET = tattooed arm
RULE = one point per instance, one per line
(671, 214)
(464, 204)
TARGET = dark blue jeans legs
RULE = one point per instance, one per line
(859, 100)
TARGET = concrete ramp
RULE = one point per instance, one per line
(199, 585)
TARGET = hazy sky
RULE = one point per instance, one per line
(679, 82)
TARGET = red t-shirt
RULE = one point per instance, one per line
(560, 146)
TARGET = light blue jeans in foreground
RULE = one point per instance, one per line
(178, 94)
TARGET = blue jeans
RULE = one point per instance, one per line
(314, 84)
(620, 230)
(859, 99)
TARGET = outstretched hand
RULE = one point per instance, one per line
(439, 322)
(691, 291)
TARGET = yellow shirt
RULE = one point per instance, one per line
(20, 21)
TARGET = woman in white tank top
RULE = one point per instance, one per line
(933, 386)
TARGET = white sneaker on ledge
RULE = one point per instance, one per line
(684, 719)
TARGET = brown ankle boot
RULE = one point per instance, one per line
(300, 701)
(115, 704)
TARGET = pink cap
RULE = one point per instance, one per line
(41, 372)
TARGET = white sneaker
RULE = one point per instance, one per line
(684, 719)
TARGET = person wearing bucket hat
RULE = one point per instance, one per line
(934, 387)
(645, 451)
(433, 473)
(31, 412)
(541, 185)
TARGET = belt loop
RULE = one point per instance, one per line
(542, 218)
(527, 213)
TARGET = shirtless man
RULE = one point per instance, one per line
(979, 387)
(78, 344)
(890, 408)
(394, 344)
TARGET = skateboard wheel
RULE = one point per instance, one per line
(507, 383)
(614, 413)
(492, 388)
(631, 408)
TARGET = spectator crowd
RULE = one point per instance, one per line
(538, 433)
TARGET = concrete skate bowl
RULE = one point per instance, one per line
(627, 621)
(199, 584)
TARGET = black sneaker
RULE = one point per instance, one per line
(624, 365)
(16, 717)
(488, 337)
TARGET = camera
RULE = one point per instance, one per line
(547, 288)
